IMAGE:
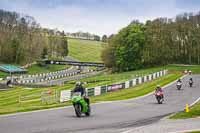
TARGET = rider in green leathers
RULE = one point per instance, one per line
(81, 89)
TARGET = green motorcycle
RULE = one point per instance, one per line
(80, 105)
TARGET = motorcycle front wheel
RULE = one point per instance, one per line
(77, 108)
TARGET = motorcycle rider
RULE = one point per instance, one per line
(81, 89)
(179, 84)
(179, 81)
(159, 89)
(190, 72)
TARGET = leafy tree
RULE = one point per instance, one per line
(158, 42)
(64, 47)
(104, 38)
(127, 47)
(22, 40)
(97, 38)
(44, 53)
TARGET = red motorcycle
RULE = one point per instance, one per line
(159, 97)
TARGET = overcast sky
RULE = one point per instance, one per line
(97, 16)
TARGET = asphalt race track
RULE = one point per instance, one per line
(111, 117)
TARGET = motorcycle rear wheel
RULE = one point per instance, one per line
(88, 112)
(159, 100)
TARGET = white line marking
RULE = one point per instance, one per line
(195, 102)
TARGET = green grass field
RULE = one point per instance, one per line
(195, 69)
(50, 68)
(2, 74)
(85, 50)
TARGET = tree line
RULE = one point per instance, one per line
(22, 40)
(84, 35)
(158, 42)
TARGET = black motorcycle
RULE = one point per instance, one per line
(191, 83)
(179, 85)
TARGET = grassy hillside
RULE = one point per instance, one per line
(85, 50)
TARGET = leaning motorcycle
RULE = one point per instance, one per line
(80, 105)
(159, 97)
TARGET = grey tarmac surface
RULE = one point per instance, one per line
(111, 117)
(169, 126)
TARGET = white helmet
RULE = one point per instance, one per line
(78, 83)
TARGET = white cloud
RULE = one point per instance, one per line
(104, 18)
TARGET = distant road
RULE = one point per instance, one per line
(109, 117)
(74, 63)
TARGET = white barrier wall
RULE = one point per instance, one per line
(150, 77)
(139, 80)
(127, 84)
(97, 91)
(145, 78)
(158, 74)
(154, 75)
(134, 82)
(65, 95)
(164, 72)
(161, 73)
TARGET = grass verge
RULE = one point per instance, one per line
(50, 68)
(194, 112)
(195, 68)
